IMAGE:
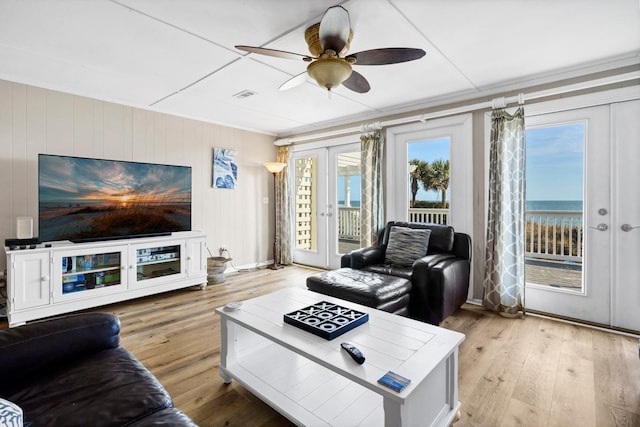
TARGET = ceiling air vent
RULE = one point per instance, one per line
(244, 94)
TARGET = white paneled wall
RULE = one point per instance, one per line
(35, 120)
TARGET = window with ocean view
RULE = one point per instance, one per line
(554, 205)
(429, 177)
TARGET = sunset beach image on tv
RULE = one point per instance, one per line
(83, 199)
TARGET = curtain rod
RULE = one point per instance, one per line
(520, 98)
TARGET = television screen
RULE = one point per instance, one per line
(82, 199)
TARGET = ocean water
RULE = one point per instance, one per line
(571, 220)
(553, 205)
(531, 205)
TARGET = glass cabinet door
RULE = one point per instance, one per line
(158, 263)
(79, 272)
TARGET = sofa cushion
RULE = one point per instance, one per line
(169, 417)
(441, 239)
(406, 245)
(107, 388)
(27, 350)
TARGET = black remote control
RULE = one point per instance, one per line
(353, 352)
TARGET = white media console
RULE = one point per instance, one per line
(60, 277)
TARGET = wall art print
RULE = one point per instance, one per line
(225, 168)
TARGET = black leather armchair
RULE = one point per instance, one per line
(440, 279)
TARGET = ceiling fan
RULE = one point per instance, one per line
(329, 64)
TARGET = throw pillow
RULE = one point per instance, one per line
(10, 414)
(405, 245)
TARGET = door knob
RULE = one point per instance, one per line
(601, 227)
(627, 227)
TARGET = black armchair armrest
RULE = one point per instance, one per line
(345, 261)
(29, 349)
(438, 289)
(462, 246)
(367, 256)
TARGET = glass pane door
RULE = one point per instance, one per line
(326, 208)
(429, 177)
(568, 214)
(309, 216)
(344, 228)
(554, 239)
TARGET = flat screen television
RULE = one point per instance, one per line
(82, 199)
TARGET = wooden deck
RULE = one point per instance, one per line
(553, 273)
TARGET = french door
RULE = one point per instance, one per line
(326, 204)
(570, 279)
(587, 267)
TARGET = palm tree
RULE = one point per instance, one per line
(439, 171)
(417, 174)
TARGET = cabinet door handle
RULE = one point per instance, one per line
(627, 227)
(45, 279)
(124, 267)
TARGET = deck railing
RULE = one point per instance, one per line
(349, 223)
(349, 220)
(556, 235)
(430, 215)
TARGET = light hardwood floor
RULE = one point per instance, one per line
(530, 372)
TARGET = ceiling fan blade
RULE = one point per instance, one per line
(357, 83)
(335, 27)
(274, 52)
(390, 55)
(294, 81)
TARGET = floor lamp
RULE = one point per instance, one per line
(275, 168)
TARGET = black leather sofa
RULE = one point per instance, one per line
(439, 280)
(71, 371)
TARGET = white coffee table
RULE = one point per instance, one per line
(312, 382)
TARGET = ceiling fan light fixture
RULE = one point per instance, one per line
(329, 72)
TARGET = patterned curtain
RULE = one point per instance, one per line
(283, 199)
(372, 202)
(504, 275)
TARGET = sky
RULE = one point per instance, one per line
(429, 150)
(555, 159)
(554, 169)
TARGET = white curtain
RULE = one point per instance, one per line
(372, 201)
(504, 276)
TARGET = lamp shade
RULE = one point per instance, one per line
(329, 72)
(274, 167)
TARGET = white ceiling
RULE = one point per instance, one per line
(178, 56)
